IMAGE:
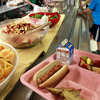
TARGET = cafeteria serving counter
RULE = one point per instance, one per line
(75, 29)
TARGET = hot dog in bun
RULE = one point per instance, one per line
(50, 74)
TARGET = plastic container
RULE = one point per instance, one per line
(14, 61)
(24, 40)
(37, 21)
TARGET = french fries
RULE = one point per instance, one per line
(66, 93)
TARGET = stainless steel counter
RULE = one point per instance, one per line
(75, 29)
(4, 8)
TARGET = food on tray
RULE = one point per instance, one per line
(96, 69)
(90, 64)
(50, 74)
(18, 28)
(97, 63)
(6, 55)
(66, 93)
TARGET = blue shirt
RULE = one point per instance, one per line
(95, 7)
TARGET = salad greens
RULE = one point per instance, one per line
(54, 17)
(38, 16)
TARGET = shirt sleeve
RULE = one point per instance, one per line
(92, 4)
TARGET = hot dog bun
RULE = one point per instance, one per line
(54, 78)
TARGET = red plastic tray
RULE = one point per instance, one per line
(77, 77)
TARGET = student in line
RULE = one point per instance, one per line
(94, 7)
